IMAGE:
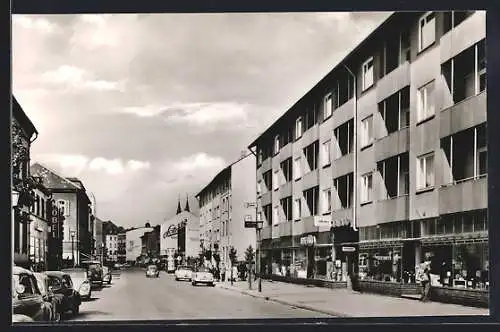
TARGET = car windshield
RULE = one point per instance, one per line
(76, 274)
(186, 268)
(152, 267)
(202, 269)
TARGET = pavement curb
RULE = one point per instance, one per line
(289, 303)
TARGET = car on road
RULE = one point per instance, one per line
(152, 272)
(54, 301)
(202, 275)
(183, 272)
(80, 282)
(94, 272)
(21, 319)
(27, 300)
(61, 284)
(106, 275)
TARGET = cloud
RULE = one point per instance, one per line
(198, 162)
(78, 78)
(98, 19)
(38, 24)
(76, 164)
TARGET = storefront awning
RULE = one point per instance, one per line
(380, 244)
(455, 239)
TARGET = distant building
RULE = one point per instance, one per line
(121, 254)
(223, 210)
(133, 245)
(99, 238)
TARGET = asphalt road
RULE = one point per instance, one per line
(132, 296)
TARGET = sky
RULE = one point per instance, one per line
(144, 108)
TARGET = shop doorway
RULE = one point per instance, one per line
(409, 262)
(310, 262)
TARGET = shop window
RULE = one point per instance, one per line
(367, 131)
(426, 31)
(383, 264)
(344, 187)
(425, 101)
(344, 138)
(425, 171)
(298, 128)
(367, 68)
(471, 266)
(311, 154)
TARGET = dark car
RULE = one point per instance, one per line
(106, 275)
(94, 271)
(61, 284)
(53, 301)
(152, 272)
(80, 282)
(27, 300)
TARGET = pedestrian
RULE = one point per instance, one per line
(426, 284)
(235, 272)
(223, 272)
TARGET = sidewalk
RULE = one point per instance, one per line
(347, 303)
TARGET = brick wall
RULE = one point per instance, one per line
(302, 281)
(380, 287)
(469, 297)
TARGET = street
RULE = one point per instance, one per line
(132, 296)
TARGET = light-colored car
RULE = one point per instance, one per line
(152, 272)
(27, 300)
(202, 275)
(183, 273)
(16, 318)
(80, 282)
(106, 275)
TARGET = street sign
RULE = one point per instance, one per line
(250, 224)
(348, 249)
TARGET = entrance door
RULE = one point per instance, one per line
(310, 262)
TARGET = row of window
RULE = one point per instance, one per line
(468, 70)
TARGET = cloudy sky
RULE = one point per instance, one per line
(143, 108)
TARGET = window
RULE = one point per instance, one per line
(366, 188)
(298, 128)
(286, 168)
(344, 137)
(481, 66)
(259, 187)
(425, 171)
(425, 102)
(453, 18)
(276, 217)
(395, 111)
(312, 196)
(277, 144)
(395, 175)
(327, 107)
(297, 168)
(311, 116)
(286, 205)
(482, 152)
(276, 181)
(327, 200)
(298, 208)
(326, 153)
(267, 176)
(368, 73)
(405, 47)
(344, 187)
(260, 155)
(426, 31)
(268, 214)
(63, 207)
(311, 154)
(367, 131)
(43, 209)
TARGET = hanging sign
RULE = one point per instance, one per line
(309, 240)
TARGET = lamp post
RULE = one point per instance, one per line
(73, 233)
(102, 254)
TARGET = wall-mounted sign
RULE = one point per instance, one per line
(322, 222)
(348, 249)
(171, 231)
(309, 240)
(382, 258)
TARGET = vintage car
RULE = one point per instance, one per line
(152, 272)
(94, 272)
(54, 301)
(27, 300)
(202, 275)
(61, 284)
(183, 272)
(106, 275)
(80, 282)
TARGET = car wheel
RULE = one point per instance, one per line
(212, 285)
(193, 283)
(176, 279)
(58, 316)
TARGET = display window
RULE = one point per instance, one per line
(382, 264)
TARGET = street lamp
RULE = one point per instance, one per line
(102, 253)
(73, 233)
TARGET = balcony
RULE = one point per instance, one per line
(285, 228)
(464, 195)
(285, 152)
(343, 165)
(266, 198)
(344, 113)
(266, 165)
(463, 115)
(392, 144)
(266, 232)
(463, 36)
(392, 209)
(394, 81)
(285, 190)
(310, 179)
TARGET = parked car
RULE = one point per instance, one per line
(80, 282)
(106, 275)
(152, 272)
(61, 284)
(21, 319)
(53, 301)
(202, 275)
(117, 266)
(183, 272)
(94, 271)
(27, 300)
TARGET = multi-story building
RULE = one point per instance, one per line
(71, 198)
(383, 163)
(224, 209)
(98, 238)
(40, 222)
(134, 244)
(121, 255)
(23, 135)
(112, 247)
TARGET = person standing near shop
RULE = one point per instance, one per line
(426, 284)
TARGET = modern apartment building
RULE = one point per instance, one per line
(383, 163)
(223, 210)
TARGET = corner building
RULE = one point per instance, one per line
(383, 163)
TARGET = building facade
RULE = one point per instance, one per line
(111, 247)
(122, 248)
(40, 223)
(383, 164)
(23, 133)
(72, 199)
(223, 210)
(134, 244)
(98, 236)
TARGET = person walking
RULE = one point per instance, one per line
(223, 272)
(426, 284)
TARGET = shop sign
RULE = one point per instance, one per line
(382, 258)
(322, 223)
(171, 231)
(348, 249)
(308, 240)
